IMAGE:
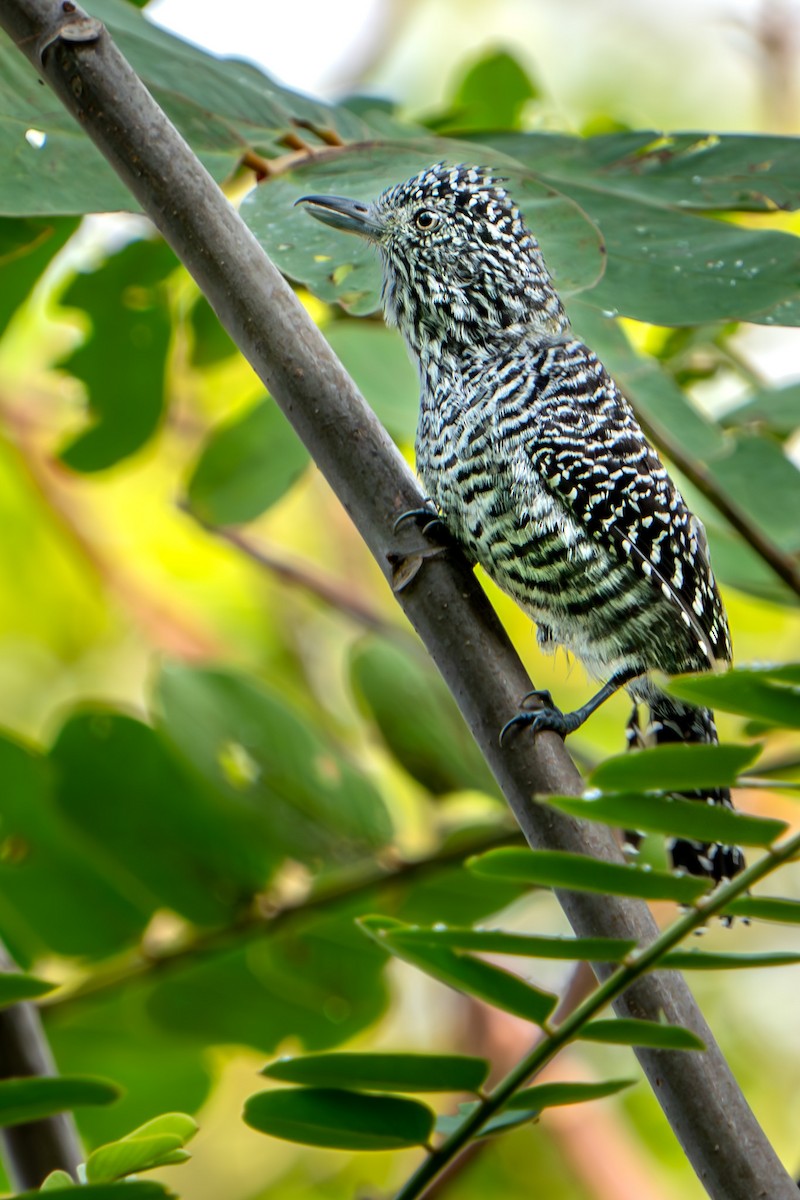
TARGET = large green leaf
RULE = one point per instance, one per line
(318, 986)
(384, 1072)
(679, 818)
(466, 973)
(309, 800)
(174, 841)
(23, 1100)
(54, 893)
(770, 694)
(246, 466)
(674, 768)
(345, 268)
(690, 171)
(417, 717)
(576, 872)
(342, 1119)
(123, 360)
(221, 107)
(114, 1033)
(666, 264)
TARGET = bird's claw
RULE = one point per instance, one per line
(424, 518)
(548, 718)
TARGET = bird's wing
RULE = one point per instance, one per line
(591, 455)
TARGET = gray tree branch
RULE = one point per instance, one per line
(31, 1151)
(446, 606)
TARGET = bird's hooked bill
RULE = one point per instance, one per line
(338, 211)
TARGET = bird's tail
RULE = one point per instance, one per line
(673, 721)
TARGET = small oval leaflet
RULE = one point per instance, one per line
(339, 1118)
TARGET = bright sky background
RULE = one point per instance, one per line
(305, 44)
(722, 64)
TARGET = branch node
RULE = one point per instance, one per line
(73, 25)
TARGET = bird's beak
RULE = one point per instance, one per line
(350, 215)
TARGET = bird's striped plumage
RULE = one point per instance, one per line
(536, 461)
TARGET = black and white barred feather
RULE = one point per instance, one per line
(536, 461)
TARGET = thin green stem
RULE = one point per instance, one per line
(256, 924)
(635, 964)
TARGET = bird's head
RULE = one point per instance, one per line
(457, 256)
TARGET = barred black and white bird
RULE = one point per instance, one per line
(536, 462)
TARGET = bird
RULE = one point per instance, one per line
(535, 462)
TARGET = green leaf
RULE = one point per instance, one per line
(304, 796)
(704, 960)
(246, 466)
(211, 344)
(338, 267)
(417, 717)
(630, 1032)
(318, 983)
(27, 246)
(492, 94)
(384, 1072)
(679, 818)
(378, 361)
(118, 1159)
(751, 457)
(501, 1122)
(466, 973)
(768, 694)
(497, 941)
(765, 908)
(176, 843)
(777, 408)
(54, 894)
(576, 872)
(15, 987)
(136, 1189)
(114, 1032)
(221, 106)
(551, 1095)
(23, 1100)
(688, 171)
(667, 265)
(175, 1124)
(57, 1180)
(674, 768)
(342, 1119)
(123, 361)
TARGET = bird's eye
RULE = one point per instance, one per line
(426, 220)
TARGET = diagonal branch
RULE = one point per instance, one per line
(706, 1109)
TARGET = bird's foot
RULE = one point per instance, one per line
(426, 519)
(405, 565)
(546, 717)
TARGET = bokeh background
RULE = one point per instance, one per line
(105, 577)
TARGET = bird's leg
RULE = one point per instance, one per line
(549, 716)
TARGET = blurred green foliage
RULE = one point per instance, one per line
(216, 761)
